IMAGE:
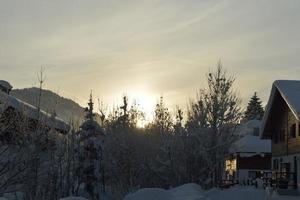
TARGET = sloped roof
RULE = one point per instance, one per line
(31, 111)
(5, 85)
(290, 92)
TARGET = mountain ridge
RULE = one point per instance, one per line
(65, 108)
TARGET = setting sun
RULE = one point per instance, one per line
(146, 103)
(149, 99)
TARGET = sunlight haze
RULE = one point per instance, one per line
(148, 48)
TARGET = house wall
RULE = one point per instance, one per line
(246, 167)
(283, 141)
(256, 162)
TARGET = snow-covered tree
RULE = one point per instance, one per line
(213, 118)
(90, 155)
(162, 119)
(254, 109)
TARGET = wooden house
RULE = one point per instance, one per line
(281, 123)
(250, 156)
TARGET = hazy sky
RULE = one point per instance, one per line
(148, 48)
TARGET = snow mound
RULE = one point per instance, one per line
(236, 193)
(150, 194)
(194, 192)
(73, 198)
(189, 191)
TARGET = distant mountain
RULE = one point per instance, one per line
(66, 109)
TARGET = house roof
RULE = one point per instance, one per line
(289, 90)
(5, 85)
(31, 112)
(251, 144)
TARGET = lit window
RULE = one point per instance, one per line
(230, 166)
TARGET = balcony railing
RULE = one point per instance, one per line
(284, 180)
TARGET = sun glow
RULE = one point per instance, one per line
(146, 103)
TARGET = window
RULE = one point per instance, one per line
(293, 131)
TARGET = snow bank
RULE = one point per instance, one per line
(72, 198)
(189, 191)
(236, 193)
(150, 194)
(194, 192)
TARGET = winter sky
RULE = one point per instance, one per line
(146, 48)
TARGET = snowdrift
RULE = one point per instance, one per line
(189, 191)
(194, 192)
(73, 198)
(150, 194)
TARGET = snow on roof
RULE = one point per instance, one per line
(251, 144)
(31, 111)
(5, 85)
(290, 92)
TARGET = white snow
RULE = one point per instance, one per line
(73, 198)
(194, 192)
(189, 191)
(150, 194)
(252, 144)
(31, 111)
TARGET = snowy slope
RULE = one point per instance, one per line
(65, 108)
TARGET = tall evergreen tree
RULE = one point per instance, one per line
(254, 109)
(90, 154)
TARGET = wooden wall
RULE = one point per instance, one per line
(255, 162)
(281, 122)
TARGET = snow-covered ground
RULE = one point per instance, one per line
(194, 192)
(73, 198)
